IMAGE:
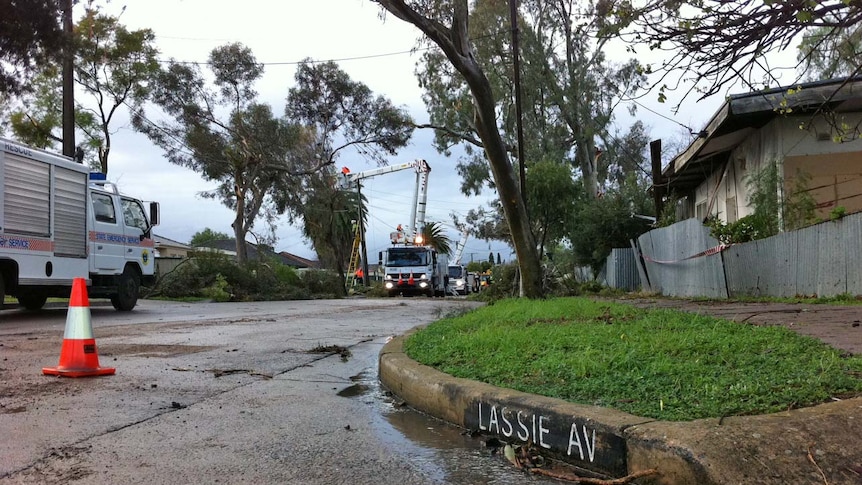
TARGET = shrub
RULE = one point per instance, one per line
(322, 284)
(837, 213)
(218, 277)
(218, 290)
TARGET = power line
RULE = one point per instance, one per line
(310, 61)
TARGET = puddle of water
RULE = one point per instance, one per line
(439, 450)
(354, 390)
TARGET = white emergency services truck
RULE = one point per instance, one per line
(59, 222)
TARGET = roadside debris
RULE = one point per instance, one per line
(227, 372)
(344, 352)
(525, 457)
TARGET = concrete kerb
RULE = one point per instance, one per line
(770, 449)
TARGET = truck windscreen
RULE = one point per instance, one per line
(406, 257)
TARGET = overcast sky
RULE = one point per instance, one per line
(280, 33)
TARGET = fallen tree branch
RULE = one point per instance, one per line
(811, 459)
(594, 481)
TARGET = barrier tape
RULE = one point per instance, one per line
(708, 252)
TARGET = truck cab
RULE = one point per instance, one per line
(458, 283)
(120, 243)
(411, 270)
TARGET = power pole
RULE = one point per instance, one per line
(361, 223)
(516, 56)
(68, 83)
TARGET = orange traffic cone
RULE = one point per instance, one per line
(78, 357)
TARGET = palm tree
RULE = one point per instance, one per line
(434, 236)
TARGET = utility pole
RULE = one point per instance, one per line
(658, 185)
(362, 235)
(513, 16)
(68, 83)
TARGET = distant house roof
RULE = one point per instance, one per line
(161, 241)
(743, 114)
(300, 261)
(228, 246)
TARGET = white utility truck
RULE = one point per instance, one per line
(59, 222)
(459, 279)
(409, 266)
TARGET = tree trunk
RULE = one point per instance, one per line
(239, 227)
(239, 236)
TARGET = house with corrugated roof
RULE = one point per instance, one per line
(810, 131)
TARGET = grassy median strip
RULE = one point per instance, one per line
(662, 364)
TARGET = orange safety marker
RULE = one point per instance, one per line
(78, 357)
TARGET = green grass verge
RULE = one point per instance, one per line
(662, 364)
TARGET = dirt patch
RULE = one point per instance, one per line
(837, 325)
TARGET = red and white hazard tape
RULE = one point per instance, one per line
(708, 252)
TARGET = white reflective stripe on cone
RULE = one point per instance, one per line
(78, 326)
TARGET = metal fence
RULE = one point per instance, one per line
(620, 270)
(822, 260)
(684, 260)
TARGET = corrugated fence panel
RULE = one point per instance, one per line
(740, 265)
(853, 244)
(831, 259)
(777, 265)
(766, 267)
(621, 270)
(807, 267)
(671, 258)
(645, 245)
(822, 260)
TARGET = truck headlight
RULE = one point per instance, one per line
(423, 285)
(389, 285)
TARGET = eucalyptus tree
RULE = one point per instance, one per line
(113, 66)
(30, 36)
(222, 132)
(570, 90)
(551, 194)
(345, 114)
(829, 52)
(447, 26)
(205, 236)
(346, 118)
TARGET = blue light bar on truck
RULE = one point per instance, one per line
(98, 176)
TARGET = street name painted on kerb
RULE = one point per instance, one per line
(578, 439)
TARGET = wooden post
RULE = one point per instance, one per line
(658, 184)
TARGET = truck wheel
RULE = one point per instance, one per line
(33, 301)
(128, 289)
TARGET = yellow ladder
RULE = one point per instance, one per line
(354, 259)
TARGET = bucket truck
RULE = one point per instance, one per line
(409, 266)
(59, 222)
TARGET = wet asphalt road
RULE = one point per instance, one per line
(227, 393)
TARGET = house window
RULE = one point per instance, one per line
(731, 209)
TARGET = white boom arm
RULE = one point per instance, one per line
(347, 180)
(459, 248)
